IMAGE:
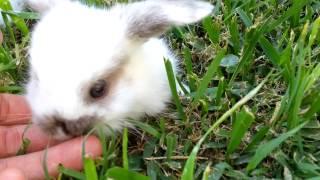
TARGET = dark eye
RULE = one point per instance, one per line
(98, 89)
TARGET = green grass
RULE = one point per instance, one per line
(253, 110)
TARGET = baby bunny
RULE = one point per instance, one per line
(90, 65)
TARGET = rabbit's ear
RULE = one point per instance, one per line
(153, 17)
(43, 6)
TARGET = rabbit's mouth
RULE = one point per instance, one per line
(61, 128)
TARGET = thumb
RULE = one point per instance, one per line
(10, 173)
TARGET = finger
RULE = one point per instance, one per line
(14, 109)
(11, 139)
(68, 153)
(12, 174)
(1, 37)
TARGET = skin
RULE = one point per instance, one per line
(15, 114)
(1, 37)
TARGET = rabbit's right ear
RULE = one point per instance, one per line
(43, 6)
(151, 18)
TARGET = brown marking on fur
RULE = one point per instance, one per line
(47, 124)
(74, 127)
(111, 77)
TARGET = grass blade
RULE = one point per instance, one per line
(314, 32)
(171, 141)
(270, 51)
(188, 170)
(102, 138)
(188, 64)
(125, 149)
(218, 170)
(212, 29)
(314, 108)
(245, 18)
(173, 88)
(252, 38)
(124, 174)
(235, 35)
(296, 7)
(258, 137)
(220, 91)
(24, 15)
(206, 173)
(209, 74)
(45, 164)
(5, 5)
(243, 121)
(147, 128)
(265, 149)
(72, 173)
(90, 169)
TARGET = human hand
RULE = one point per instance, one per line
(1, 37)
(14, 116)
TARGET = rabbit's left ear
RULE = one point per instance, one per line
(151, 18)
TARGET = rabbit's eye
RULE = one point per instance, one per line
(98, 89)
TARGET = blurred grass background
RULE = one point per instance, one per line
(253, 110)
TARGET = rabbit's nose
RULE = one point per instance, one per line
(74, 127)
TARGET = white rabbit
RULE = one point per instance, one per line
(91, 65)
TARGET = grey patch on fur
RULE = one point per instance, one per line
(148, 18)
(47, 124)
(142, 28)
(146, 24)
(74, 127)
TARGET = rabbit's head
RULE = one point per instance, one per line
(80, 58)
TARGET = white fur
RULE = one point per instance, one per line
(73, 44)
(43, 5)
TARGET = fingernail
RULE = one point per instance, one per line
(88, 155)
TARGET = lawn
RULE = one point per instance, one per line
(252, 68)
